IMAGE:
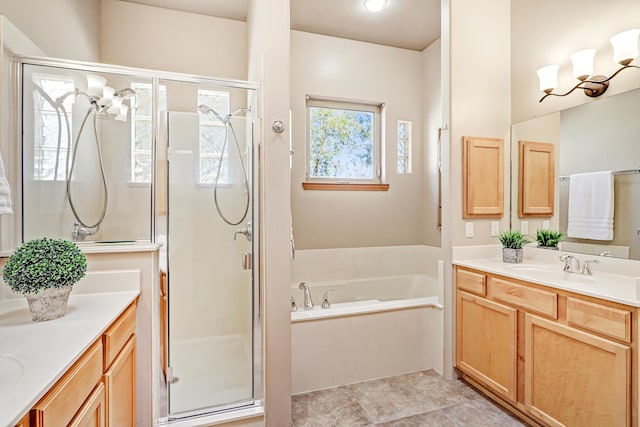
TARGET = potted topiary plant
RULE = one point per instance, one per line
(512, 243)
(44, 271)
(548, 239)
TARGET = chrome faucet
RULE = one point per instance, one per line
(308, 302)
(586, 270)
(571, 264)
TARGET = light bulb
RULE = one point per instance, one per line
(95, 84)
(107, 95)
(375, 5)
(548, 78)
(625, 46)
(583, 63)
(116, 103)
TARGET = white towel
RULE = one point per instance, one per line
(5, 192)
(591, 206)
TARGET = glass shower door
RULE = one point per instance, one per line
(210, 246)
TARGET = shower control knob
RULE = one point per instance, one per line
(278, 126)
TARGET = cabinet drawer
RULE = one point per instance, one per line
(610, 321)
(529, 298)
(118, 334)
(61, 403)
(92, 412)
(470, 281)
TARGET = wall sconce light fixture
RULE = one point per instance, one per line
(625, 50)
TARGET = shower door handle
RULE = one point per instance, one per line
(247, 260)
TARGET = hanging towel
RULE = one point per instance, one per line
(5, 192)
(591, 206)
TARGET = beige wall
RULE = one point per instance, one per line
(340, 68)
(480, 98)
(268, 22)
(62, 28)
(432, 121)
(149, 37)
(548, 32)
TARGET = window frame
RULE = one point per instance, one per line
(134, 118)
(335, 183)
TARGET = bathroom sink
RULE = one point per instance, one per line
(11, 370)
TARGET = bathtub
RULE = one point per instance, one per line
(375, 328)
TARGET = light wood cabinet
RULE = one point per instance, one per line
(99, 389)
(536, 179)
(487, 342)
(553, 357)
(483, 177)
(573, 378)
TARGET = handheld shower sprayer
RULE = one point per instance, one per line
(228, 126)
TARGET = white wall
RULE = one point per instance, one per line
(149, 37)
(548, 32)
(62, 28)
(340, 68)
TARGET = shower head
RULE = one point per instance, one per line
(205, 109)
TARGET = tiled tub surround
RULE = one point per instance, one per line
(376, 327)
(417, 399)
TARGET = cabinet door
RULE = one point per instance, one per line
(92, 413)
(486, 343)
(536, 179)
(483, 177)
(573, 378)
(120, 386)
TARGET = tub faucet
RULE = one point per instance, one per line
(308, 302)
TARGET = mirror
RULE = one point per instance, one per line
(339, 51)
(597, 136)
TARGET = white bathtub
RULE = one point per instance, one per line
(352, 297)
(375, 328)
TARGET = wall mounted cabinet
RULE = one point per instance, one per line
(536, 179)
(482, 177)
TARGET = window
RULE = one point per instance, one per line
(404, 147)
(343, 141)
(212, 138)
(51, 141)
(141, 130)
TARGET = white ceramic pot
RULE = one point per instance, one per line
(49, 304)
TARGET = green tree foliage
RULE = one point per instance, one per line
(340, 143)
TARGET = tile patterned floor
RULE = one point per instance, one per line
(418, 399)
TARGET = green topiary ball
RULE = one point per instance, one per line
(44, 263)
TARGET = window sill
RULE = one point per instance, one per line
(334, 186)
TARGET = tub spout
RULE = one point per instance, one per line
(308, 302)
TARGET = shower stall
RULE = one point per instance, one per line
(130, 156)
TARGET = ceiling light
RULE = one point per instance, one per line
(375, 5)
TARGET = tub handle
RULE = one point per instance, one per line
(325, 300)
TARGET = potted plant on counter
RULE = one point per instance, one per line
(44, 271)
(512, 243)
(548, 239)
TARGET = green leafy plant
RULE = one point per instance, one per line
(44, 263)
(513, 239)
(548, 238)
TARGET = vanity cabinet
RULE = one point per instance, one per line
(99, 389)
(553, 357)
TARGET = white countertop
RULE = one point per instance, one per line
(34, 355)
(604, 285)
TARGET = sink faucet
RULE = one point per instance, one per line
(586, 270)
(571, 264)
(308, 302)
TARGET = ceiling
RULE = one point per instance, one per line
(408, 24)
